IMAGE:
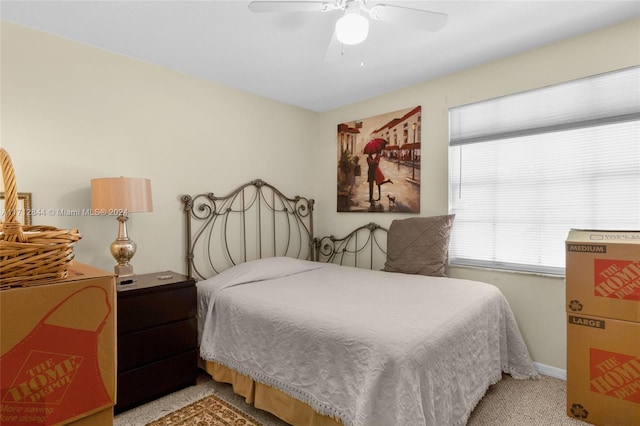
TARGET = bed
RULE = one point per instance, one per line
(313, 331)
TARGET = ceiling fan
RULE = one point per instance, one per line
(353, 27)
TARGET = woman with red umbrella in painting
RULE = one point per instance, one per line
(373, 149)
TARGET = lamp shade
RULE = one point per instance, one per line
(352, 28)
(121, 195)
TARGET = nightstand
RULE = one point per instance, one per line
(157, 337)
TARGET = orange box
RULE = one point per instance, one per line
(58, 350)
(603, 370)
(101, 418)
(603, 273)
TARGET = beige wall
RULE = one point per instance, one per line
(72, 112)
(538, 302)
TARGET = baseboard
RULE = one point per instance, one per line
(548, 370)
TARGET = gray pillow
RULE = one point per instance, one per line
(419, 245)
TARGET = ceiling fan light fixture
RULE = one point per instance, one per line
(352, 28)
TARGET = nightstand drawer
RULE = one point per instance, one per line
(151, 309)
(144, 384)
(145, 346)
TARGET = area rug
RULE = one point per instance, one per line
(210, 411)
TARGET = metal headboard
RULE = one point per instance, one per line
(363, 247)
(255, 220)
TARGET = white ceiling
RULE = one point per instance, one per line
(281, 56)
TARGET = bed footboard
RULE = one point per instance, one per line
(364, 247)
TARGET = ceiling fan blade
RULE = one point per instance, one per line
(290, 6)
(416, 18)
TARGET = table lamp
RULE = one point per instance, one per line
(119, 197)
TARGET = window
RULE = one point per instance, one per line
(526, 168)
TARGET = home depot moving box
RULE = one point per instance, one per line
(603, 326)
(603, 274)
(58, 351)
(603, 370)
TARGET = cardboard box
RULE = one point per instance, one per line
(58, 350)
(101, 418)
(603, 274)
(603, 370)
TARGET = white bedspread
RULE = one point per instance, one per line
(368, 347)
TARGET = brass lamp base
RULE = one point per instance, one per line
(123, 270)
(125, 275)
(122, 250)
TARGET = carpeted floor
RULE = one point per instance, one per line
(508, 403)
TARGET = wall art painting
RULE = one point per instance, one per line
(23, 210)
(379, 163)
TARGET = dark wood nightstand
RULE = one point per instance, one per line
(157, 337)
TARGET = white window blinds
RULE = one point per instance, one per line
(526, 168)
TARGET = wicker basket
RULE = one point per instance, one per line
(30, 255)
